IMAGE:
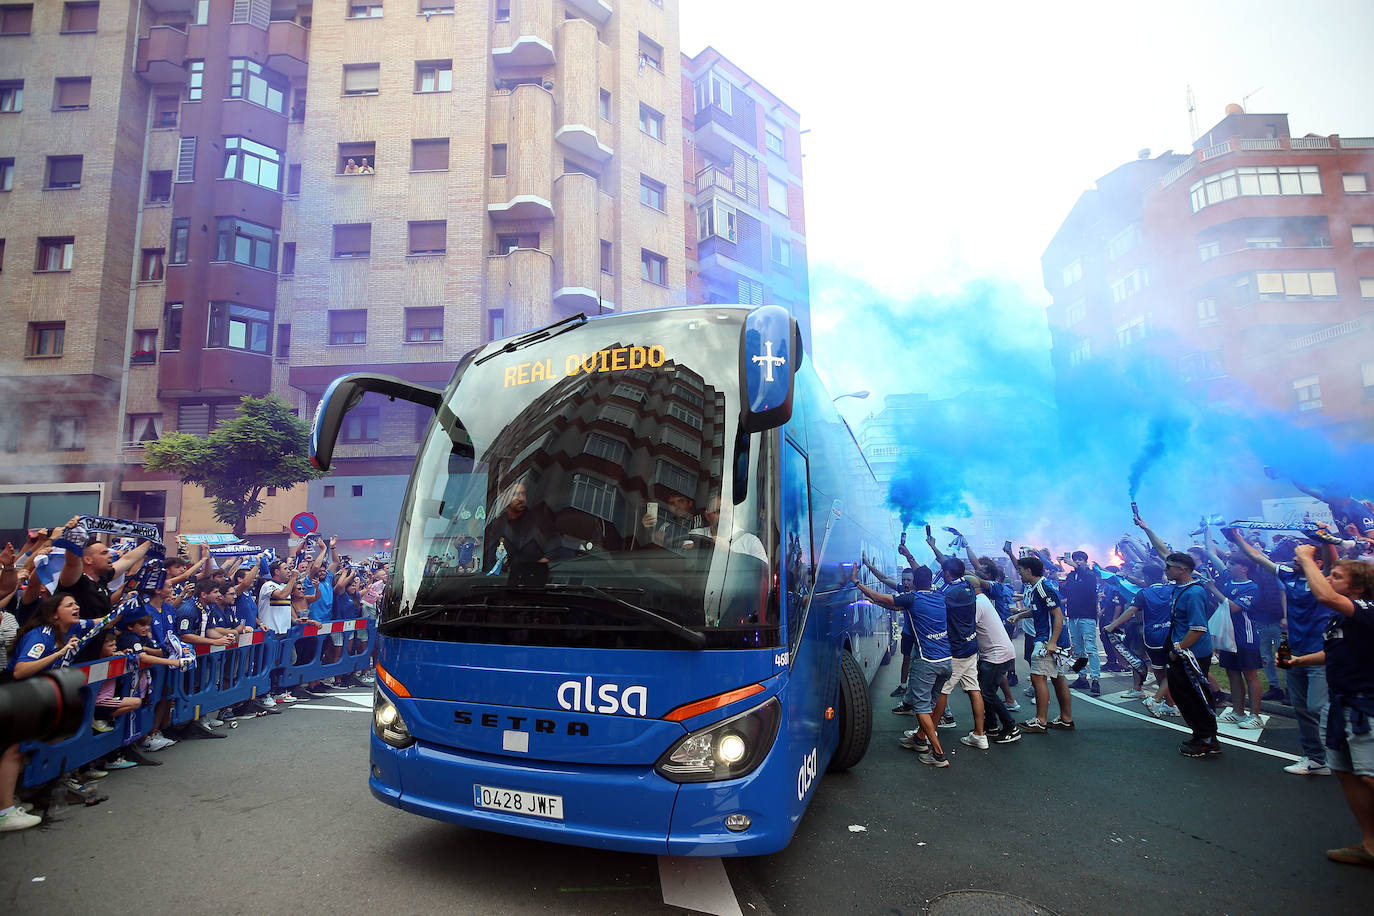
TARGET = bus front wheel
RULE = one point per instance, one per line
(855, 713)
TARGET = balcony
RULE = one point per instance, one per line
(527, 40)
(577, 243)
(162, 55)
(288, 48)
(578, 89)
(597, 11)
(526, 192)
(519, 283)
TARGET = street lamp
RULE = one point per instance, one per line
(861, 394)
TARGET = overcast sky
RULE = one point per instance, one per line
(948, 141)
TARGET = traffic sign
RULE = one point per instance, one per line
(305, 523)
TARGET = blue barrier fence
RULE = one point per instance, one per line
(222, 676)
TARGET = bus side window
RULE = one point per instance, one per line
(796, 534)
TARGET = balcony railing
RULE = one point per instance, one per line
(1325, 334)
(1212, 152)
(1253, 144)
(1310, 143)
(712, 177)
(1261, 143)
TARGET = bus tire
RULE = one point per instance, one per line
(855, 713)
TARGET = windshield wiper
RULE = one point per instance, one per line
(544, 333)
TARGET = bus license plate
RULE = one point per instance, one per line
(513, 801)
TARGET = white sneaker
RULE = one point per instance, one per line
(18, 819)
(267, 701)
(1306, 767)
(972, 740)
(1013, 706)
(1229, 717)
(156, 741)
(1133, 694)
(285, 697)
(212, 721)
(1166, 710)
(1251, 721)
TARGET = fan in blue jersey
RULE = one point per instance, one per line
(1190, 655)
(1239, 591)
(1151, 605)
(1051, 656)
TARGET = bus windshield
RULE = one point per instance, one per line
(578, 491)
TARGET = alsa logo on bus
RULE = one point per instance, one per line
(806, 775)
(583, 696)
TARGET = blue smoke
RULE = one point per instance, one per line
(1162, 434)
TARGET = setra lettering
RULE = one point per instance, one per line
(516, 723)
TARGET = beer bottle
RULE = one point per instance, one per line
(1284, 652)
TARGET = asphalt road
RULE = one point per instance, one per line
(1107, 819)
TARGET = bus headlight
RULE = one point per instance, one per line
(387, 723)
(723, 750)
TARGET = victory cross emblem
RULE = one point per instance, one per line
(768, 360)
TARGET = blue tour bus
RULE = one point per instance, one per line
(619, 613)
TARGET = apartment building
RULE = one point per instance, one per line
(222, 198)
(1253, 254)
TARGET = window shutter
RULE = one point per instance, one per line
(428, 237)
(253, 12)
(361, 79)
(427, 155)
(193, 419)
(353, 239)
(81, 17)
(73, 93)
(186, 160)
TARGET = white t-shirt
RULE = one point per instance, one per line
(275, 618)
(994, 645)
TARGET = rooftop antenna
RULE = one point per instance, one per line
(1192, 116)
(1244, 100)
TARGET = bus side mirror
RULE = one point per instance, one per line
(770, 352)
(344, 393)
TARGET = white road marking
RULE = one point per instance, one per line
(697, 884)
(1080, 698)
(335, 708)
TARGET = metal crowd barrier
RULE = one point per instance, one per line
(222, 676)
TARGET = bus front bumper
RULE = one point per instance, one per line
(622, 808)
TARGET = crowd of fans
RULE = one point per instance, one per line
(67, 597)
(1246, 597)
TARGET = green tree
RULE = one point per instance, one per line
(264, 446)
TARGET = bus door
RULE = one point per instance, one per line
(806, 631)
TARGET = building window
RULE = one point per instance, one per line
(361, 424)
(347, 326)
(1265, 241)
(250, 80)
(498, 160)
(80, 17)
(67, 434)
(773, 138)
(503, 10)
(153, 265)
(434, 76)
(777, 195)
(364, 10)
(298, 105)
(650, 53)
(1362, 236)
(1206, 312)
(1129, 285)
(361, 79)
(496, 324)
(1367, 287)
(428, 237)
(159, 187)
(1123, 242)
(16, 19)
(596, 497)
(353, 240)
(1072, 272)
(171, 326)
(246, 243)
(1131, 332)
(329, 491)
(650, 121)
(250, 161)
(1307, 392)
(605, 105)
(293, 179)
(429, 155)
(357, 487)
(144, 427)
(63, 172)
(357, 158)
(239, 327)
(11, 95)
(782, 251)
(1355, 183)
(202, 14)
(606, 260)
(1367, 380)
(195, 80)
(1074, 314)
(718, 219)
(283, 341)
(651, 192)
(7, 174)
(653, 267)
(690, 417)
(436, 6)
(1079, 354)
(1296, 283)
(505, 244)
(46, 338)
(166, 111)
(2, 254)
(288, 259)
(72, 93)
(145, 347)
(181, 239)
(712, 90)
(55, 253)
(1255, 181)
(186, 159)
(424, 324)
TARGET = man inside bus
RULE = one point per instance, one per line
(668, 528)
(518, 528)
(739, 541)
